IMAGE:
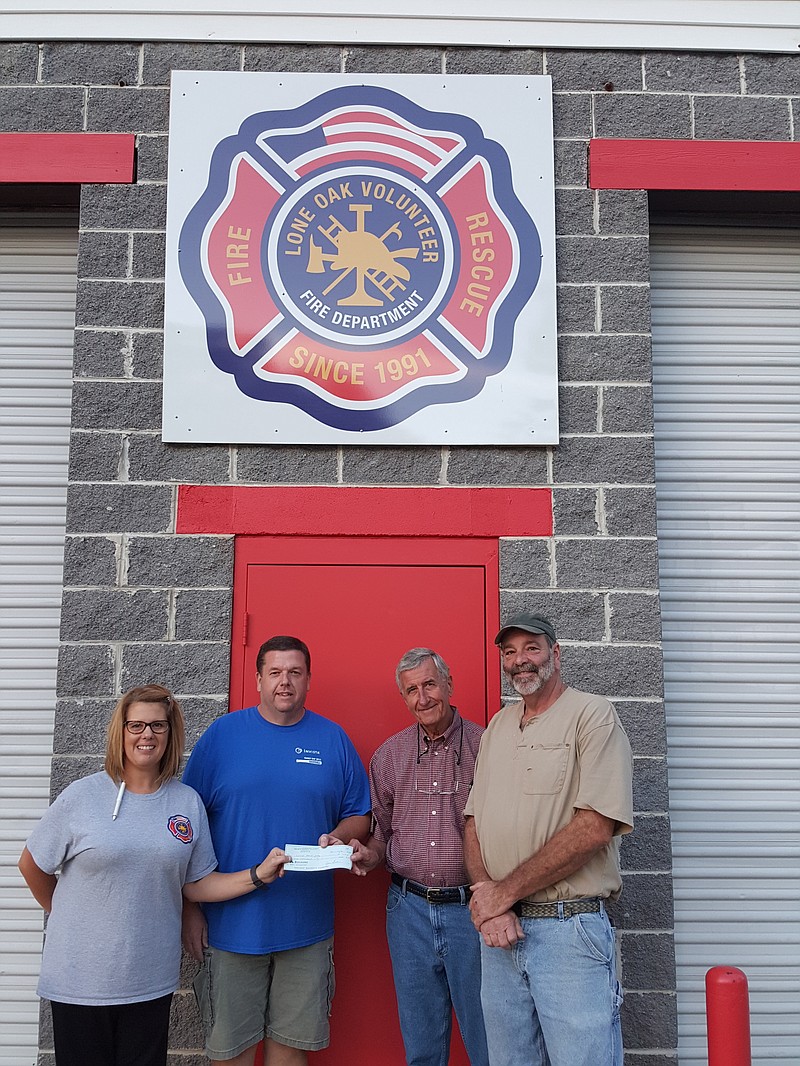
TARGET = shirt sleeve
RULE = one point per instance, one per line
(606, 784)
(355, 799)
(381, 786)
(203, 859)
(51, 840)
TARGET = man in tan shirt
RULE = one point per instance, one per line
(551, 796)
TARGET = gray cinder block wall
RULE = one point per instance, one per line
(142, 602)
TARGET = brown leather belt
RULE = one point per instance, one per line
(457, 894)
(565, 909)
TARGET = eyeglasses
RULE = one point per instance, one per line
(160, 726)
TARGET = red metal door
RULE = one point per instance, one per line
(359, 603)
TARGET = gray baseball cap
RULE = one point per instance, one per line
(530, 623)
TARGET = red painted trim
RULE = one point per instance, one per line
(373, 512)
(765, 166)
(73, 158)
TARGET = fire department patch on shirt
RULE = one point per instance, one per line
(181, 828)
(360, 257)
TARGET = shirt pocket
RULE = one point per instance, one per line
(544, 768)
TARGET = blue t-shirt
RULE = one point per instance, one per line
(267, 786)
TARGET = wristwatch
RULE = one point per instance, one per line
(257, 882)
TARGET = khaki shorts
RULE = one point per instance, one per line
(285, 996)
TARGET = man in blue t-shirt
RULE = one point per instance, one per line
(272, 775)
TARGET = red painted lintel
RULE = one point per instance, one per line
(665, 164)
(61, 158)
(349, 511)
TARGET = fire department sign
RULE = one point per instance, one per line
(355, 261)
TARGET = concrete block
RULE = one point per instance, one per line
(630, 512)
(657, 115)
(149, 254)
(602, 259)
(572, 115)
(772, 75)
(151, 460)
(648, 961)
(139, 304)
(570, 159)
(524, 563)
(493, 61)
(65, 769)
(645, 725)
(45, 1025)
(90, 561)
(642, 1058)
(94, 63)
(616, 671)
(118, 615)
(594, 70)
(391, 466)
(577, 408)
(19, 63)
(123, 207)
(650, 788)
(85, 670)
(609, 460)
(116, 405)
(81, 725)
(576, 308)
(300, 58)
(497, 466)
(100, 353)
(200, 712)
(183, 668)
(203, 614)
(691, 72)
(623, 211)
(635, 616)
(400, 59)
(103, 255)
(151, 157)
(650, 1020)
(607, 562)
(128, 110)
(181, 562)
(628, 409)
(648, 848)
(646, 902)
(742, 118)
(147, 354)
(575, 512)
(625, 308)
(574, 211)
(41, 110)
(287, 464)
(95, 456)
(604, 358)
(575, 615)
(119, 508)
(160, 59)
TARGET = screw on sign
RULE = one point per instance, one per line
(728, 1017)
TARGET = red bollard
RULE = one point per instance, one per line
(728, 1017)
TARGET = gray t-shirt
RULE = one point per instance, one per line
(114, 935)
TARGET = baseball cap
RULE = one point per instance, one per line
(530, 623)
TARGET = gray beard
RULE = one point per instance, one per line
(529, 683)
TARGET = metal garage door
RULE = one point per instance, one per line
(37, 311)
(726, 331)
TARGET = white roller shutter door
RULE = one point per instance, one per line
(726, 335)
(37, 313)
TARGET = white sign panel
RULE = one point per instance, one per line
(360, 260)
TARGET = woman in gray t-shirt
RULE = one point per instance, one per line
(110, 862)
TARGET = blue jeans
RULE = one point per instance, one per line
(437, 967)
(554, 999)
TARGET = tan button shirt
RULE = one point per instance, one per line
(529, 783)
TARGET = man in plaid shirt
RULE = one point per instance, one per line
(420, 779)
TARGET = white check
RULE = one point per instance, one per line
(307, 857)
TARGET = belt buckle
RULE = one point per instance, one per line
(432, 895)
